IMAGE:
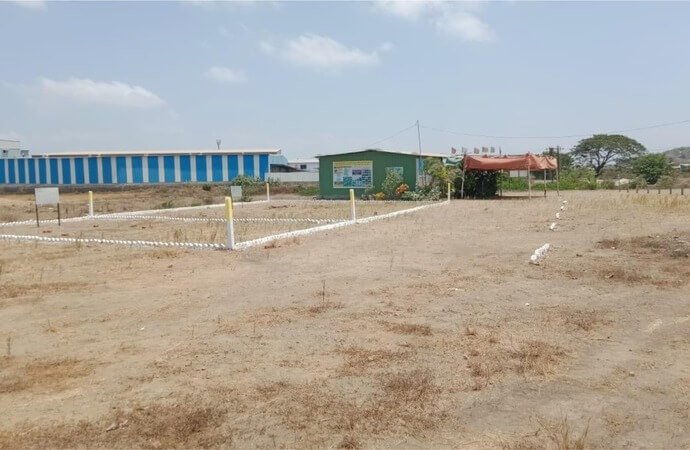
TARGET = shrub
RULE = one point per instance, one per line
(391, 183)
(246, 181)
(666, 181)
(638, 183)
(409, 196)
(379, 196)
(308, 191)
(400, 190)
(651, 167)
(206, 187)
(603, 184)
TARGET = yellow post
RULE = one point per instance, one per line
(268, 192)
(352, 205)
(230, 223)
(90, 203)
(449, 191)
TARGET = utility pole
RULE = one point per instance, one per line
(558, 170)
(420, 165)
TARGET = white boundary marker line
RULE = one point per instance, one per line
(65, 240)
(331, 226)
(210, 246)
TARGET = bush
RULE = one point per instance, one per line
(666, 182)
(605, 184)
(308, 191)
(400, 190)
(206, 187)
(246, 181)
(638, 183)
(390, 184)
(651, 167)
(379, 196)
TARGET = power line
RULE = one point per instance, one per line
(391, 136)
(659, 125)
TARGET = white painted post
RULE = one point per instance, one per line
(268, 193)
(449, 191)
(90, 204)
(352, 205)
(230, 223)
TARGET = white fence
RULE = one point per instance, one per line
(293, 177)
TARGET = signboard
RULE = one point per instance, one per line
(47, 196)
(236, 193)
(353, 174)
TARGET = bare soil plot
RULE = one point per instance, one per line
(425, 330)
(253, 220)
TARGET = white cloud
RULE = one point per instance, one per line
(321, 52)
(453, 18)
(31, 4)
(108, 93)
(465, 25)
(225, 75)
(412, 10)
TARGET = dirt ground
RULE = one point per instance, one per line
(425, 330)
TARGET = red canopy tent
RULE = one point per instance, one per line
(528, 162)
(521, 162)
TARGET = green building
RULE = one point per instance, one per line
(365, 171)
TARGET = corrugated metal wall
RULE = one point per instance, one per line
(131, 169)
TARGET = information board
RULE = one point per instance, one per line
(47, 196)
(352, 174)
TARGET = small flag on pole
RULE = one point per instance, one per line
(464, 150)
(476, 151)
(453, 150)
(499, 151)
(493, 150)
(485, 150)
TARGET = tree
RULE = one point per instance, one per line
(651, 167)
(601, 149)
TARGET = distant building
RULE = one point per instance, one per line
(134, 167)
(11, 149)
(365, 170)
(305, 165)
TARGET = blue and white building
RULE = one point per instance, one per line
(125, 167)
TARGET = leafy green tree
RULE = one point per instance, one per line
(601, 149)
(651, 167)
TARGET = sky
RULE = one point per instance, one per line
(326, 77)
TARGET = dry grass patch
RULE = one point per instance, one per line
(537, 357)
(322, 307)
(50, 375)
(562, 435)
(16, 290)
(585, 320)
(400, 404)
(186, 424)
(359, 360)
(408, 328)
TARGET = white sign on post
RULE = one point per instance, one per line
(236, 193)
(47, 196)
